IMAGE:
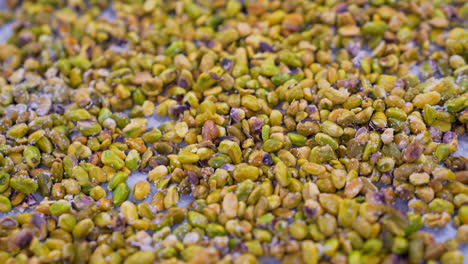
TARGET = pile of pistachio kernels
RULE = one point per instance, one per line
(296, 127)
